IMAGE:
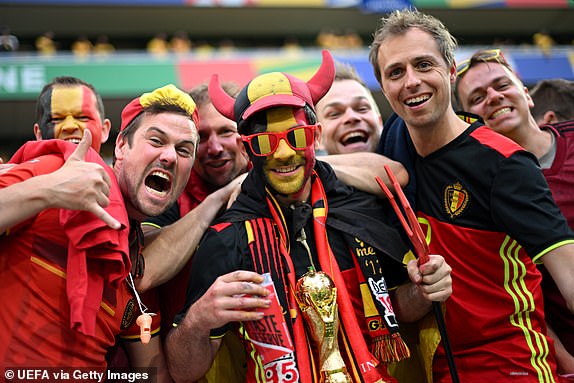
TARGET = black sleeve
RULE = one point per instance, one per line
(523, 206)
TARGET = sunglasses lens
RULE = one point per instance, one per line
(264, 144)
(462, 67)
(299, 137)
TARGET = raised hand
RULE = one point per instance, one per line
(80, 185)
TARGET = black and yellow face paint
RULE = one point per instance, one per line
(68, 111)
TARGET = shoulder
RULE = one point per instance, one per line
(565, 128)
(45, 164)
(495, 141)
(223, 238)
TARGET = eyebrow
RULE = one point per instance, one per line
(490, 83)
(354, 98)
(163, 133)
(415, 59)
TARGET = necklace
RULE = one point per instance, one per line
(144, 319)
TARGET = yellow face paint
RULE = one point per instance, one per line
(68, 111)
(287, 170)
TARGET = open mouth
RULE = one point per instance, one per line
(415, 101)
(158, 183)
(355, 137)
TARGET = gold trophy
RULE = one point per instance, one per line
(317, 298)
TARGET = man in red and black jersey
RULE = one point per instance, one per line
(487, 86)
(484, 204)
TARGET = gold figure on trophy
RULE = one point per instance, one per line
(317, 298)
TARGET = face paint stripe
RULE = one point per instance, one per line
(87, 102)
(264, 144)
(46, 127)
(300, 138)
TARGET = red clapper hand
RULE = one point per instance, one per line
(412, 227)
(418, 239)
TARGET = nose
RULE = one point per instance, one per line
(493, 96)
(214, 146)
(283, 150)
(70, 124)
(412, 78)
(351, 115)
(168, 155)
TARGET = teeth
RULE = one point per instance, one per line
(286, 169)
(417, 99)
(499, 112)
(354, 134)
(354, 137)
(161, 175)
(74, 140)
(156, 192)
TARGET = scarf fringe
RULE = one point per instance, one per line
(390, 348)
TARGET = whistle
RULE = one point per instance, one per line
(144, 321)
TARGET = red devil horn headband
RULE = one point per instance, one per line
(223, 102)
(321, 82)
(273, 89)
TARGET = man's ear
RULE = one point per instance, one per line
(121, 146)
(549, 118)
(528, 98)
(241, 147)
(452, 73)
(37, 132)
(319, 137)
(106, 128)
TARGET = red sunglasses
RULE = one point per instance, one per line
(265, 144)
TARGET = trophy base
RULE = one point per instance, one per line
(336, 376)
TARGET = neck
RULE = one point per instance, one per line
(134, 215)
(532, 138)
(429, 138)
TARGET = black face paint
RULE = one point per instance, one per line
(46, 124)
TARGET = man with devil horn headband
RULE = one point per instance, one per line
(302, 265)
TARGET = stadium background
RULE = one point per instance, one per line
(259, 30)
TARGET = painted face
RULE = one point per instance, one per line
(350, 119)
(221, 155)
(415, 78)
(493, 92)
(286, 170)
(68, 111)
(155, 168)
